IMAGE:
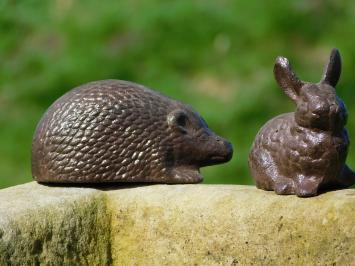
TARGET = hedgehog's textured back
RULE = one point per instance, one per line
(105, 131)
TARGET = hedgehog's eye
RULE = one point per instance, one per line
(181, 120)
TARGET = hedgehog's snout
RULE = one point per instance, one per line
(217, 150)
(222, 151)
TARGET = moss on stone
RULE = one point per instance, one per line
(54, 226)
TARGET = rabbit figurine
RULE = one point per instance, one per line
(304, 152)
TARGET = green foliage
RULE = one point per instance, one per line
(214, 55)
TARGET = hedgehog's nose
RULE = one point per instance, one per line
(227, 149)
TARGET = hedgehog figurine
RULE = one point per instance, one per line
(119, 131)
(304, 152)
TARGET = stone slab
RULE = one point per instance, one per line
(174, 225)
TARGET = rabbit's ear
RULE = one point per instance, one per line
(332, 69)
(286, 78)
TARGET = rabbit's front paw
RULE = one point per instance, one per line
(307, 186)
(284, 186)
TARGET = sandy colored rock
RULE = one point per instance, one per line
(230, 225)
(42, 225)
(174, 225)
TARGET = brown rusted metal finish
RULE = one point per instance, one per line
(118, 131)
(304, 152)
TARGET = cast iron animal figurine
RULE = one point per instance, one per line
(118, 131)
(304, 152)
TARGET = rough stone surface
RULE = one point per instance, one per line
(230, 225)
(174, 225)
(42, 225)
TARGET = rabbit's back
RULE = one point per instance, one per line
(267, 150)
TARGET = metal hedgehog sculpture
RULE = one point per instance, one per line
(305, 151)
(118, 131)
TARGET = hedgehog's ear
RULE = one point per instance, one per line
(178, 119)
(286, 78)
(332, 69)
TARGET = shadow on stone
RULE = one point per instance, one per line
(101, 186)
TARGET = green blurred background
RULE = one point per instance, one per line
(217, 56)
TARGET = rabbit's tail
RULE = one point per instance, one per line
(347, 178)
